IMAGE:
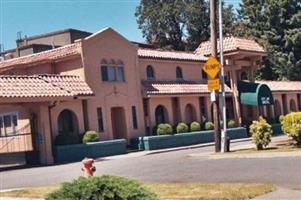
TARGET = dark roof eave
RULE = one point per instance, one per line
(156, 58)
(240, 50)
(188, 93)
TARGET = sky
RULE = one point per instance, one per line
(33, 17)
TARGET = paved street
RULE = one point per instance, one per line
(175, 166)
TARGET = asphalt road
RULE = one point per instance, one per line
(174, 166)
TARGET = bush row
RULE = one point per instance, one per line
(261, 130)
(166, 129)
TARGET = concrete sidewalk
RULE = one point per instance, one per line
(151, 152)
(281, 194)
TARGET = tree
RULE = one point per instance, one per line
(178, 24)
(276, 24)
(198, 23)
(162, 22)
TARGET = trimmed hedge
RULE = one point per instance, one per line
(209, 126)
(231, 124)
(182, 127)
(90, 136)
(183, 139)
(195, 126)
(164, 129)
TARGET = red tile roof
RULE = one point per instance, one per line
(283, 86)
(161, 88)
(53, 54)
(170, 55)
(231, 44)
(43, 86)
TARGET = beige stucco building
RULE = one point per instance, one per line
(121, 89)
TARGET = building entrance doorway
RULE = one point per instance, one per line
(67, 122)
(118, 123)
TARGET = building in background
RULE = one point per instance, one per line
(122, 89)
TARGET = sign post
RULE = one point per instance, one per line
(212, 68)
(224, 147)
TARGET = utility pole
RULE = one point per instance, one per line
(222, 77)
(213, 39)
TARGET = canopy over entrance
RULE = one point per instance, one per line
(254, 94)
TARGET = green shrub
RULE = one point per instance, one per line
(291, 125)
(209, 126)
(195, 126)
(102, 188)
(90, 136)
(164, 129)
(67, 138)
(231, 124)
(182, 128)
(261, 133)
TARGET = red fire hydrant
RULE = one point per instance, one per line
(88, 168)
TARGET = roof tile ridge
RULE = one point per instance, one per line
(55, 85)
(42, 52)
(58, 75)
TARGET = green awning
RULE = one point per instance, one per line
(254, 94)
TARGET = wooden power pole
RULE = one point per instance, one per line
(213, 33)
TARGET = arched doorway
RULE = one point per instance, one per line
(67, 122)
(190, 113)
(277, 109)
(161, 114)
(293, 106)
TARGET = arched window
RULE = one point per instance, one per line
(190, 113)
(150, 72)
(67, 122)
(179, 74)
(161, 114)
(244, 76)
(293, 106)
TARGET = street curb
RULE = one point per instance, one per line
(152, 152)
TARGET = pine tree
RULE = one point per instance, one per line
(276, 24)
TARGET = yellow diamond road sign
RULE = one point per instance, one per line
(213, 84)
(212, 67)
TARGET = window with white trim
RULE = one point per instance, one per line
(8, 124)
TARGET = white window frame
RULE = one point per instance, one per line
(15, 128)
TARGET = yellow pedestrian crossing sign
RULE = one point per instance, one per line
(212, 67)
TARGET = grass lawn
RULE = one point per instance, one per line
(176, 191)
(279, 146)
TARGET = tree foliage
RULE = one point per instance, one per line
(178, 24)
(276, 24)
(291, 125)
(261, 133)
